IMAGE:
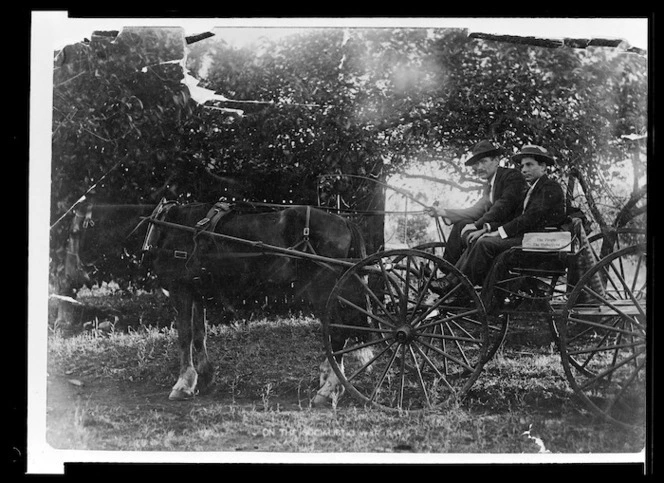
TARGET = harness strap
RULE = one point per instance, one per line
(305, 232)
(159, 213)
(308, 247)
(213, 216)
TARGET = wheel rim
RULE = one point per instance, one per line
(624, 237)
(426, 347)
(434, 248)
(603, 338)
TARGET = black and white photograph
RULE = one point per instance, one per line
(394, 241)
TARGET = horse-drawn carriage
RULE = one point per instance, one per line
(391, 337)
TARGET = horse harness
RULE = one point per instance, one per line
(209, 223)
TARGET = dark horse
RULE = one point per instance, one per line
(195, 267)
(102, 243)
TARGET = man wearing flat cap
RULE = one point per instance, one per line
(501, 201)
(543, 207)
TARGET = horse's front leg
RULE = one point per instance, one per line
(188, 309)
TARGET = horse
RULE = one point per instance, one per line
(193, 267)
(102, 240)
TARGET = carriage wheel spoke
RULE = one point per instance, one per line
(365, 312)
(596, 377)
(461, 315)
(433, 335)
(346, 350)
(361, 328)
(404, 300)
(402, 376)
(628, 292)
(636, 274)
(455, 341)
(438, 303)
(376, 299)
(447, 355)
(613, 306)
(420, 379)
(430, 363)
(372, 360)
(606, 348)
(626, 385)
(390, 282)
(424, 290)
(374, 393)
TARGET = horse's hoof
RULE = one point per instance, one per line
(321, 401)
(180, 395)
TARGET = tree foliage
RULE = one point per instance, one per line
(329, 102)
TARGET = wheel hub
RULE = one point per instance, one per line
(404, 334)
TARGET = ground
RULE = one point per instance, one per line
(109, 391)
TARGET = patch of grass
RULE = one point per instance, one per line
(522, 379)
(147, 353)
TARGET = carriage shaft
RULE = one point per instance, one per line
(257, 244)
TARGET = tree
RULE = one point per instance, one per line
(116, 107)
(413, 230)
(328, 103)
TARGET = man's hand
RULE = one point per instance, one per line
(475, 235)
(492, 234)
(435, 211)
(468, 227)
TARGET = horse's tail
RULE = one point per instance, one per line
(358, 248)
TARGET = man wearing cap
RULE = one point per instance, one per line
(502, 200)
(543, 206)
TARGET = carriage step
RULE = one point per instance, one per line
(626, 307)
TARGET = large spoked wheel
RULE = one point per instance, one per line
(412, 341)
(602, 337)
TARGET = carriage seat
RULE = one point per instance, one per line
(519, 267)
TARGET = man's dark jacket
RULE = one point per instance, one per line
(508, 193)
(545, 208)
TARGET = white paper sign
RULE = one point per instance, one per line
(554, 240)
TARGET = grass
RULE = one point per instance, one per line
(108, 390)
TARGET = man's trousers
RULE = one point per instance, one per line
(476, 261)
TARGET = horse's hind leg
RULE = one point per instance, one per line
(330, 385)
(188, 309)
(203, 366)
